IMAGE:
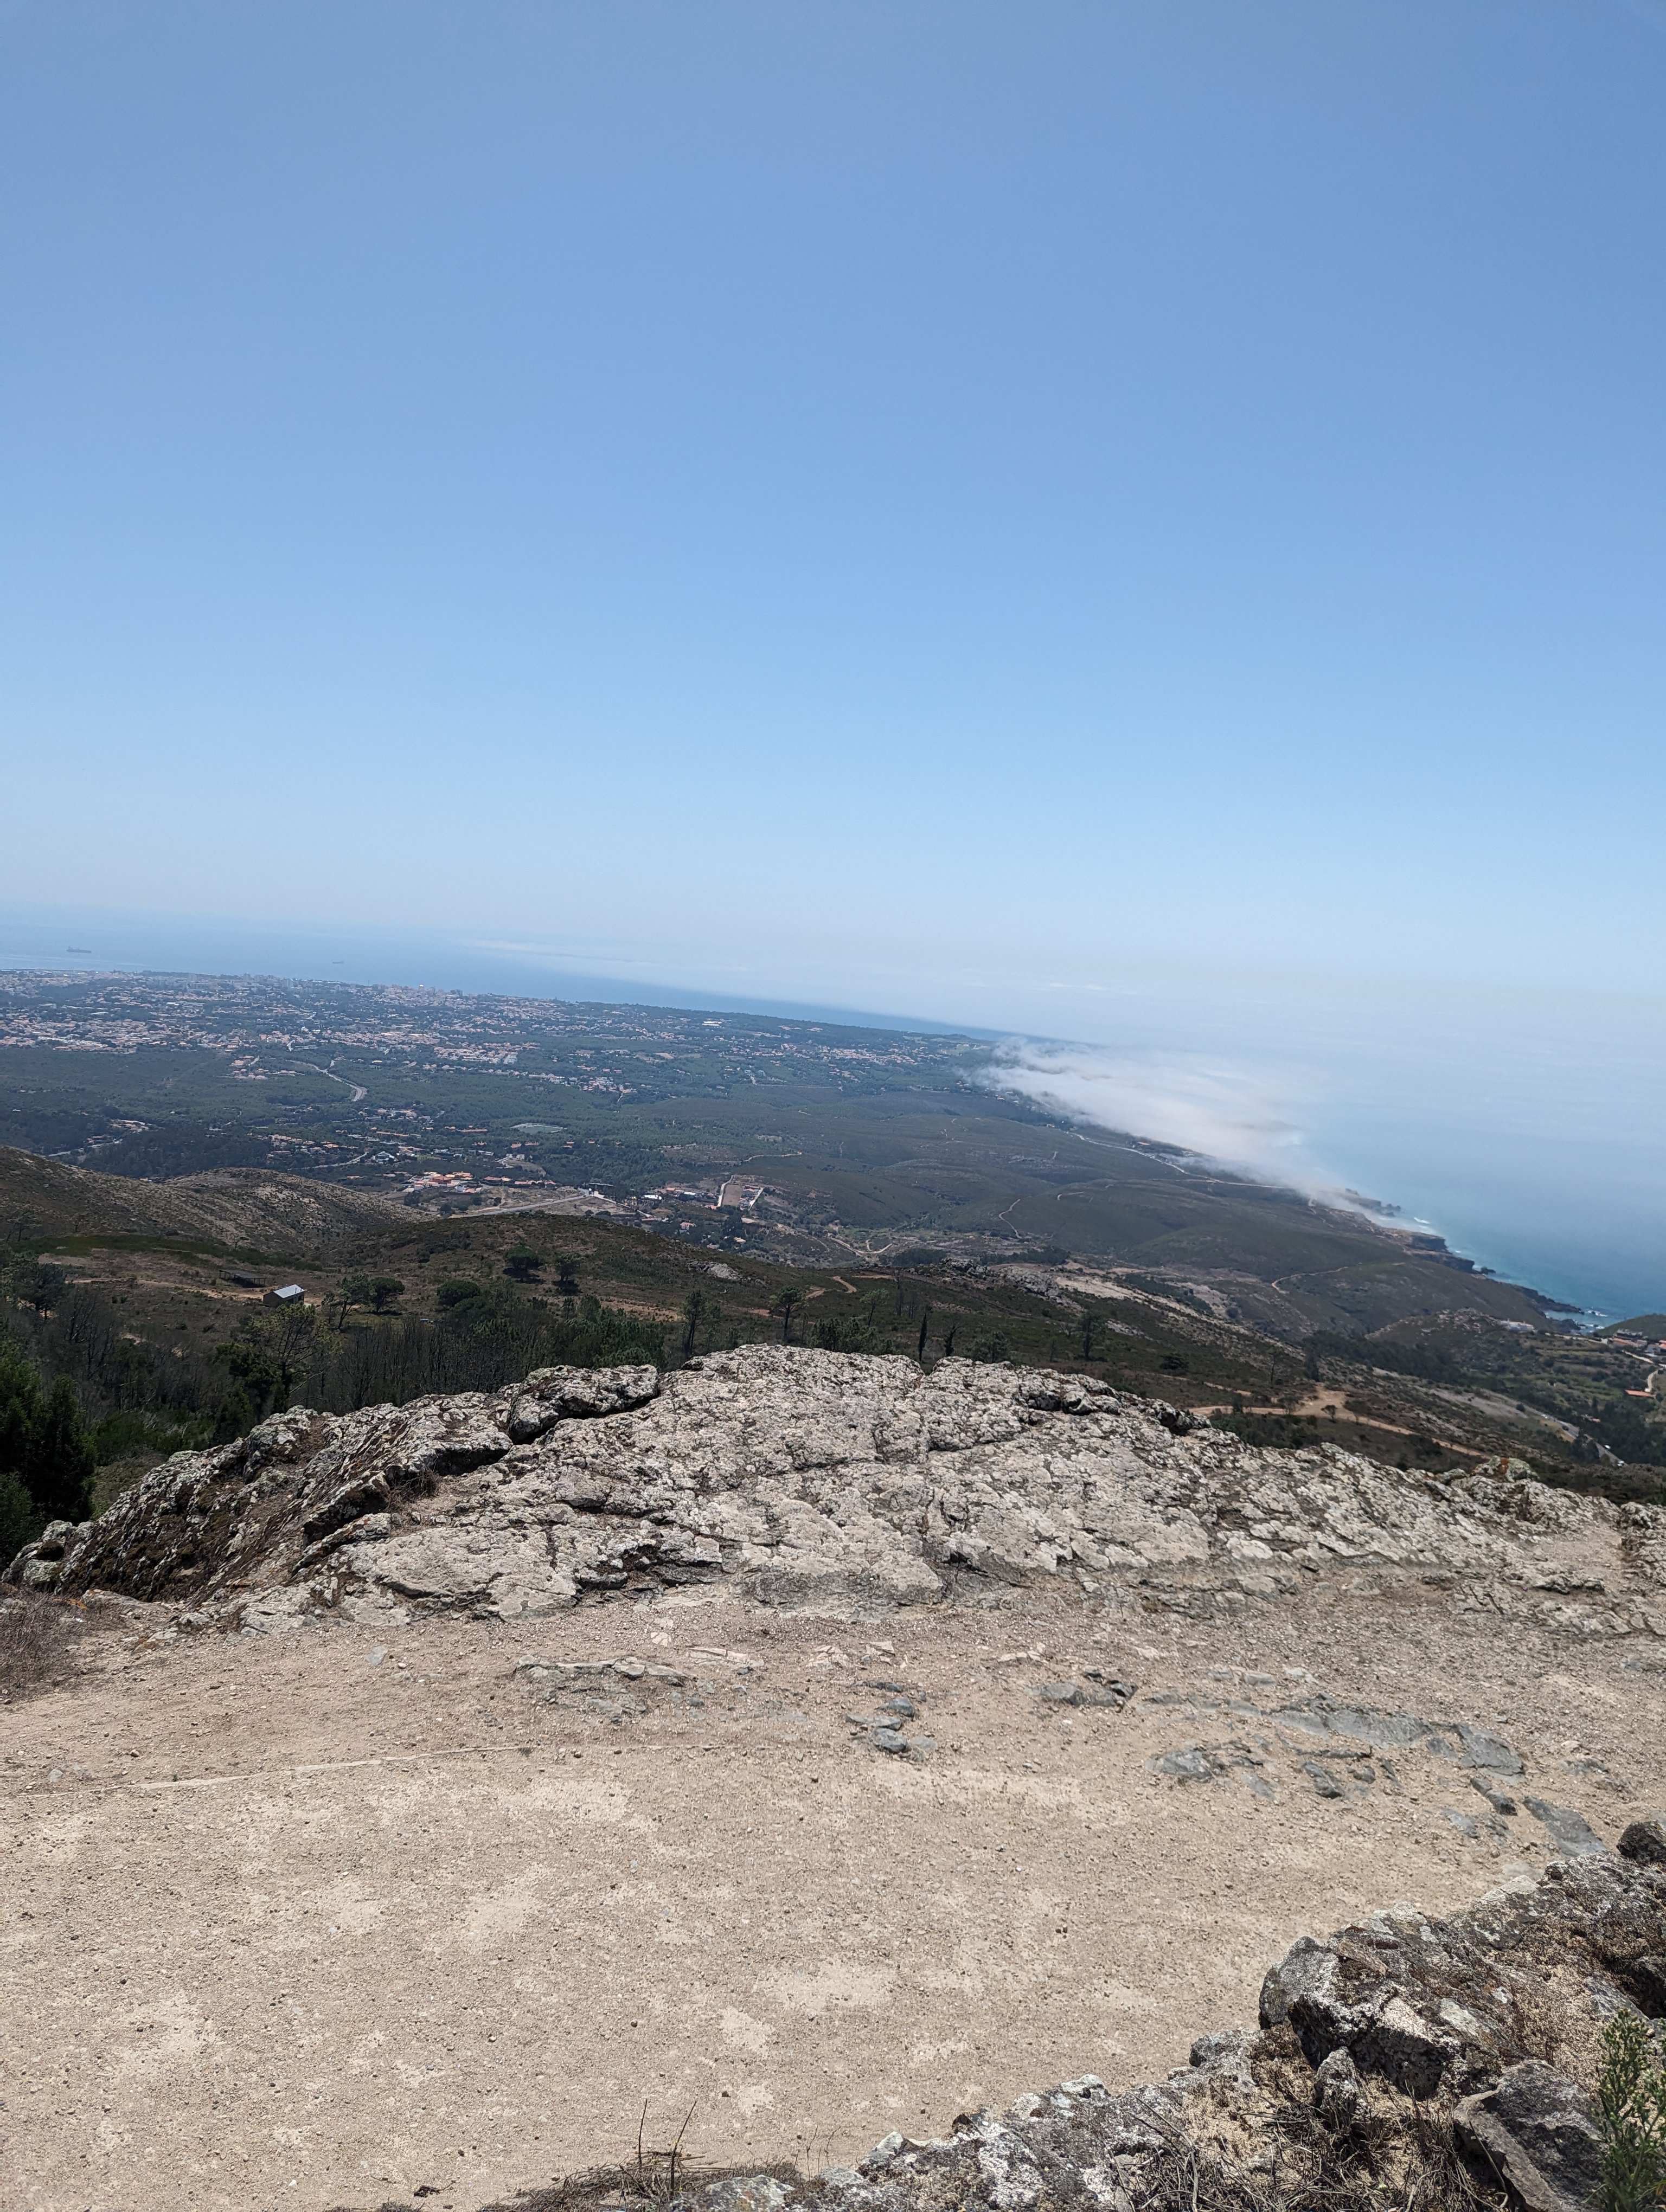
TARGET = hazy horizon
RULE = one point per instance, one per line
(1134, 527)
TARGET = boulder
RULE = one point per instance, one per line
(1328, 1994)
(1338, 2092)
(1645, 1842)
(749, 2192)
(1324, 1782)
(1430, 2006)
(551, 1394)
(1538, 2132)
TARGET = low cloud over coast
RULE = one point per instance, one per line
(1228, 1115)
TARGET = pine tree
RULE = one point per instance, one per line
(44, 1443)
(59, 1474)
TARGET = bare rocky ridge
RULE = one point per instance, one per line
(506, 1647)
(810, 1479)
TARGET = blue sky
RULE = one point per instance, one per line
(897, 504)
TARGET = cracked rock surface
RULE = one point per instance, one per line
(814, 1477)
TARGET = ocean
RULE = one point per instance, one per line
(1525, 1128)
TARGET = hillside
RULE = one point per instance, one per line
(812, 1144)
(242, 1208)
(150, 1297)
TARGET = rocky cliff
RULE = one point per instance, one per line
(810, 1478)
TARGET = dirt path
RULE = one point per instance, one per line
(287, 1924)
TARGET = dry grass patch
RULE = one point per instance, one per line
(38, 1639)
(617, 2188)
(1405, 2163)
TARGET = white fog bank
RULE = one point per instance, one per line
(1238, 1120)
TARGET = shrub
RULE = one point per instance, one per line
(20, 1520)
(125, 1435)
(992, 1346)
(850, 1333)
(35, 1634)
(1631, 2104)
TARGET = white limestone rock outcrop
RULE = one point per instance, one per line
(810, 1478)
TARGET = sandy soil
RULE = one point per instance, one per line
(292, 1928)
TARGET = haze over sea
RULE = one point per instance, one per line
(1525, 1127)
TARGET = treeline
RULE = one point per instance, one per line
(46, 1457)
(1614, 1423)
(168, 1148)
(179, 1148)
(79, 1389)
(144, 1394)
(1627, 1432)
(493, 1337)
(135, 1394)
(1425, 1363)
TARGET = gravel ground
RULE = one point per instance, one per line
(325, 1921)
